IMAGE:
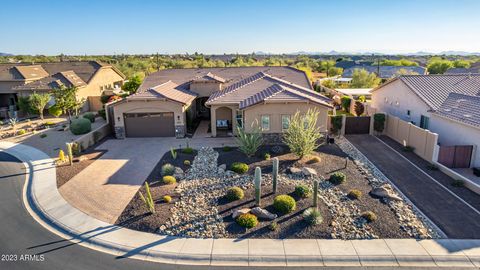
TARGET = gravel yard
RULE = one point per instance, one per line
(199, 207)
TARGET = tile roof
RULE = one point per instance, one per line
(65, 78)
(462, 70)
(231, 75)
(462, 108)
(31, 72)
(386, 72)
(168, 90)
(210, 77)
(434, 89)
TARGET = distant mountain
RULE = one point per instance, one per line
(5, 54)
(463, 53)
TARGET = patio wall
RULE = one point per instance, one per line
(424, 141)
(93, 136)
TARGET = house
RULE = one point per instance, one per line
(448, 105)
(169, 101)
(387, 72)
(91, 78)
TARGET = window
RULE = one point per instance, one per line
(239, 118)
(265, 122)
(424, 122)
(408, 112)
(285, 122)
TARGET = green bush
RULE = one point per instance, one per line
(168, 169)
(458, 183)
(273, 226)
(167, 199)
(312, 216)
(248, 143)
(187, 150)
(247, 220)
(337, 178)
(234, 193)
(379, 122)
(21, 132)
(354, 194)
(80, 126)
(346, 100)
(90, 117)
(55, 111)
(169, 180)
(103, 114)
(303, 191)
(369, 216)
(336, 123)
(267, 156)
(284, 204)
(239, 167)
(408, 148)
(227, 149)
(104, 99)
(43, 135)
(186, 162)
(303, 133)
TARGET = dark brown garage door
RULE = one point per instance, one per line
(149, 124)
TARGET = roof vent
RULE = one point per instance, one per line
(467, 115)
(461, 100)
(447, 110)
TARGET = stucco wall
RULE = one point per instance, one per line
(6, 87)
(454, 133)
(223, 112)
(93, 136)
(399, 99)
(276, 110)
(140, 106)
(102, 78)
(205, 89)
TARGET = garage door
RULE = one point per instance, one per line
(149, 124)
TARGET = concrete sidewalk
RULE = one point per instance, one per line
(45, 204)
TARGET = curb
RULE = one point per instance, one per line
(182, 253)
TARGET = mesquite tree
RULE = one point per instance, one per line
(39, 102)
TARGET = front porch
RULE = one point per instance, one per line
(213, 121)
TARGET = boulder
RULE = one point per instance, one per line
(238, 212)
(263, 214)
(178, 174)
(178, 170)
(295, 170)
(309, 171)
(383, 192)
(223, 166)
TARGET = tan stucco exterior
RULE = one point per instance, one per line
(205, 89)
(221, 112)
(276, 110)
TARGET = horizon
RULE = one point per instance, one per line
(274, 27)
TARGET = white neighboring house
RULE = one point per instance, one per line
(448, 105)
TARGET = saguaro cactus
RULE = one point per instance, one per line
(315, 193)
(258, 185)
(275, 174)
(70, 153)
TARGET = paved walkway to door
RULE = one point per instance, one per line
(447, 211)
(202, 130)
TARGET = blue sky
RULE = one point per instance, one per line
(241, 26)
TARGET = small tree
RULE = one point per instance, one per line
(66, 100)
(379, 122)
(363, 79)
(39, 102)
(251, 141)
(346, 100)
(132, 85)
(303, 134)
(359, 108)
(24, 105)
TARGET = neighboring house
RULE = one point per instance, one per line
(346, 64)
(463, 70)
(448, 105)
(387, 72)
(169, 101)
(91, 78)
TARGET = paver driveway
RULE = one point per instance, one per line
(105, 188)
(450, 214)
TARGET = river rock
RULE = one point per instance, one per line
(309, 171)
(262, 213)
(223, 166)
(238, 212)
(295, 170)
(383, 192)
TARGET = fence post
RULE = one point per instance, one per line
(371, 124)
(344, 120)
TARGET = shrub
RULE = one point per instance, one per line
(169, 180)
(80, 126)
(273, 226)
(227, 149)
(103, 114)
(168, 169)
(267, 156)
(369, 216)
(50, 123)
(55, 111)
(354, 194)
(21, 132)
(346, 100)
(379, 122)
(303, 191)
(458, 183)
(239, 167)
(104, 99)
(432, 167)
(249, 143)
(173, 153)
(337, 178)
(336, 122)
(167, 199)
(359, 108)
(247, 220)
(43, 135)
(303, 134)
(187, 150)
(234, 193)
(312, 216)
(186, 162)
(284, 204)
(90, 117)
(408, 148)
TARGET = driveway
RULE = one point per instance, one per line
(448, 212)
(105, 188)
